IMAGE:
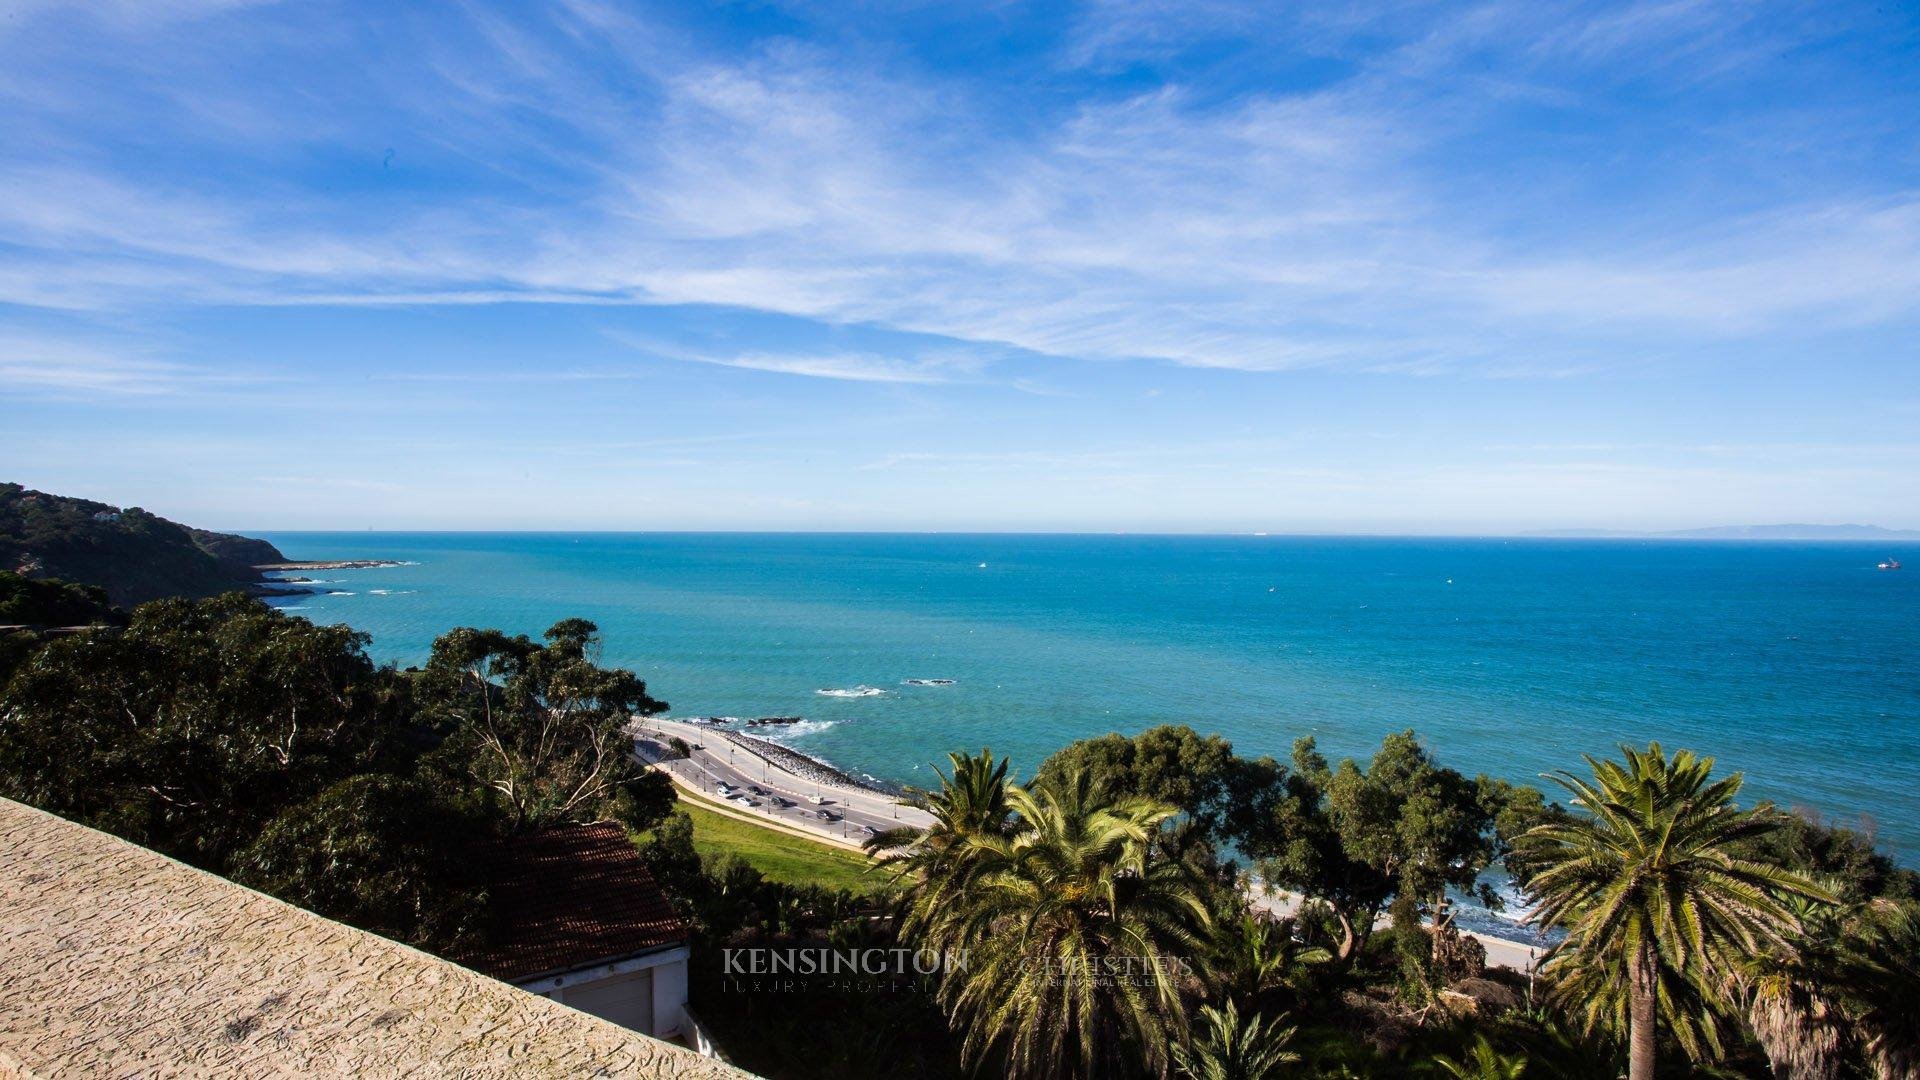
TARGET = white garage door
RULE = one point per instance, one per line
(626, 1000)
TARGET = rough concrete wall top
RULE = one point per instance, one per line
(118, 961)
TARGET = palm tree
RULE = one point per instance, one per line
(1254, 955)
(1881, 966)
(1791, 996)
(1229, 1048)
(1841, 994)
(1077, 936)
(1650, 890)
(1482, 1063)
(937, 860)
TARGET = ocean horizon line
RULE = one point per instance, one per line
(1675, 536)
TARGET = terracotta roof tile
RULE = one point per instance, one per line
(569, 898)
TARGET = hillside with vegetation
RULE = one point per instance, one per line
(133, 555)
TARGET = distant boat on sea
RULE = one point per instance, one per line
(1890, 564)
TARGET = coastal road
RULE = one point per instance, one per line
(718, 758)
(850, 811)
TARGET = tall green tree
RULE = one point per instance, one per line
(1356, 837)
(37, 603)
(1199, 774)
(1652, 895)
(197, 725)
(385, 853)
(543, 726)
(1079, 936)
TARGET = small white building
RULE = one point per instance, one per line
(578, 919)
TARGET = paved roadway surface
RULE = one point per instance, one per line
(850, 811)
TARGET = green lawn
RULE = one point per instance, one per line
(781, 856)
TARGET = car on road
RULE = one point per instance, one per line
(755, 788)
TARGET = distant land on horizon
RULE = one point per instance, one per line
(1750, 532)
(1717, 532)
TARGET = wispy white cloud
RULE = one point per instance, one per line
(42, 367)
(927, 367)
(1272, 229)
(850, 367)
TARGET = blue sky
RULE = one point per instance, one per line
(1444, 267)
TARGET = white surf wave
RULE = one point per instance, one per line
(800, 730)
(851, 692)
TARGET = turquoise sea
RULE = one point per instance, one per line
(1797, 663)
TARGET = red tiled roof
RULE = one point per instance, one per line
(569, 898)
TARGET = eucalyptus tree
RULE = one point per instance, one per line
(194, 727)
(542, 727)
(1356, 837)
(1658, 906)
(1217, 792)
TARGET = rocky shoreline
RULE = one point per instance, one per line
(304, 586)
(327, 564)
(801, 765)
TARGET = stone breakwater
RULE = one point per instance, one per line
(799, 764)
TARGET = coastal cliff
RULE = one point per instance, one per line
(134, 555)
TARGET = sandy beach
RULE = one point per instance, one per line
(1500, 952)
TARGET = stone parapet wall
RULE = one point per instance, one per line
(118, 961)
